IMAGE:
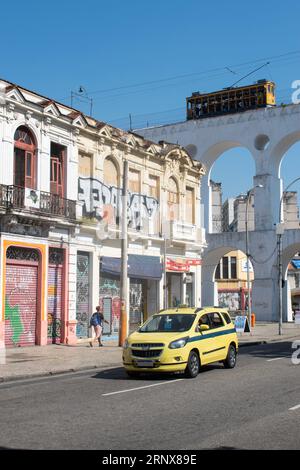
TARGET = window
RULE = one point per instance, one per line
(85, 165)
(226, 317)
(153, 187)
(24, 158)
(227, 268)
(204, 320)
(215, 320)
(57, 169)
(173, 200)
(233, 272)
(153, 191)
(218, 272)
(134, 181)
(111, 174)
(189, 206)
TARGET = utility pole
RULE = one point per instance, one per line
(124, 259)
(280, 279)
(249, 289)
(165, 275)
(248, 261)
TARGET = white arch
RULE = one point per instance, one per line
(280, 150)
(209, 158)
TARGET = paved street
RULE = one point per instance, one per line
(254, 406)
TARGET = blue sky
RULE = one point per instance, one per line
(144, 57)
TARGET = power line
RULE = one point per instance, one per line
(176, 77)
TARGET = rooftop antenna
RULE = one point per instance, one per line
(250, 73)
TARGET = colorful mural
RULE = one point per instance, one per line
(54, 303)
(21, 304)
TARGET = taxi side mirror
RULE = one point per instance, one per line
(203, 327)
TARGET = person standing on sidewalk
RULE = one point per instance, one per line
(97, 320)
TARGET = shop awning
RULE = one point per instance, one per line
(143, 267)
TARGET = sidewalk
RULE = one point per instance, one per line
(39, 361)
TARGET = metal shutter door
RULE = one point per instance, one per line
(54, 304)
(20, 304)
(83, 293)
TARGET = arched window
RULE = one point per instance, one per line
(173, 200)
(24, 158)
(111, 174)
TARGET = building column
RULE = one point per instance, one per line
(95, 281)
(267, 201)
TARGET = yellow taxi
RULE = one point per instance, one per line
(181, 340)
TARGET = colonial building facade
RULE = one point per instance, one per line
(60, 213)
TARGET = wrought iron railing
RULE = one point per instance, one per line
(13, 197)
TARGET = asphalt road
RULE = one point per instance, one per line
(254, 406)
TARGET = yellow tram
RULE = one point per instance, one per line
(231, 100)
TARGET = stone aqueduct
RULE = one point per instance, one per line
(267, 133)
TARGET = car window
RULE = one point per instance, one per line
(168, 323)
(226, 317)
(204, 320)
(215, 320)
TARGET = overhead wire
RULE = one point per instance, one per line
(279, 57)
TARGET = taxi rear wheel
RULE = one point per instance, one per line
(230, 360)
(193, 365)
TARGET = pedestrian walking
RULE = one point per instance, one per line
(97, 320)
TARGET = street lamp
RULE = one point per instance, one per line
(249, 303)
(279, 233)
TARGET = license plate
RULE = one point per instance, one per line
(144, 363)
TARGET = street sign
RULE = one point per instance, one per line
(241, 324)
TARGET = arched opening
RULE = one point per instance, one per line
(173, 200)
(290, 187)
(226, 279)
(291, 281)
(231, 196)
(110, 172)
(234, 279)
(24, 158)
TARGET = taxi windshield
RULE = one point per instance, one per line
(168, 323)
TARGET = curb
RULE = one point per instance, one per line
(114, 366)
(252, 343)
(56, 373)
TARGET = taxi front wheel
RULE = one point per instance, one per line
(193, 365)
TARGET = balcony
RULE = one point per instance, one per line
(37, 202)
(183, 231)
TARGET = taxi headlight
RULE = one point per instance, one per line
(179, 343)
(126, 344)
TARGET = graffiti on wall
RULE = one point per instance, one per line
(54, 303)
(135, 303)
(12, 314)
(98, 198)
(110, 289)
(230, 300)
(20, 305)
(82, 310)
